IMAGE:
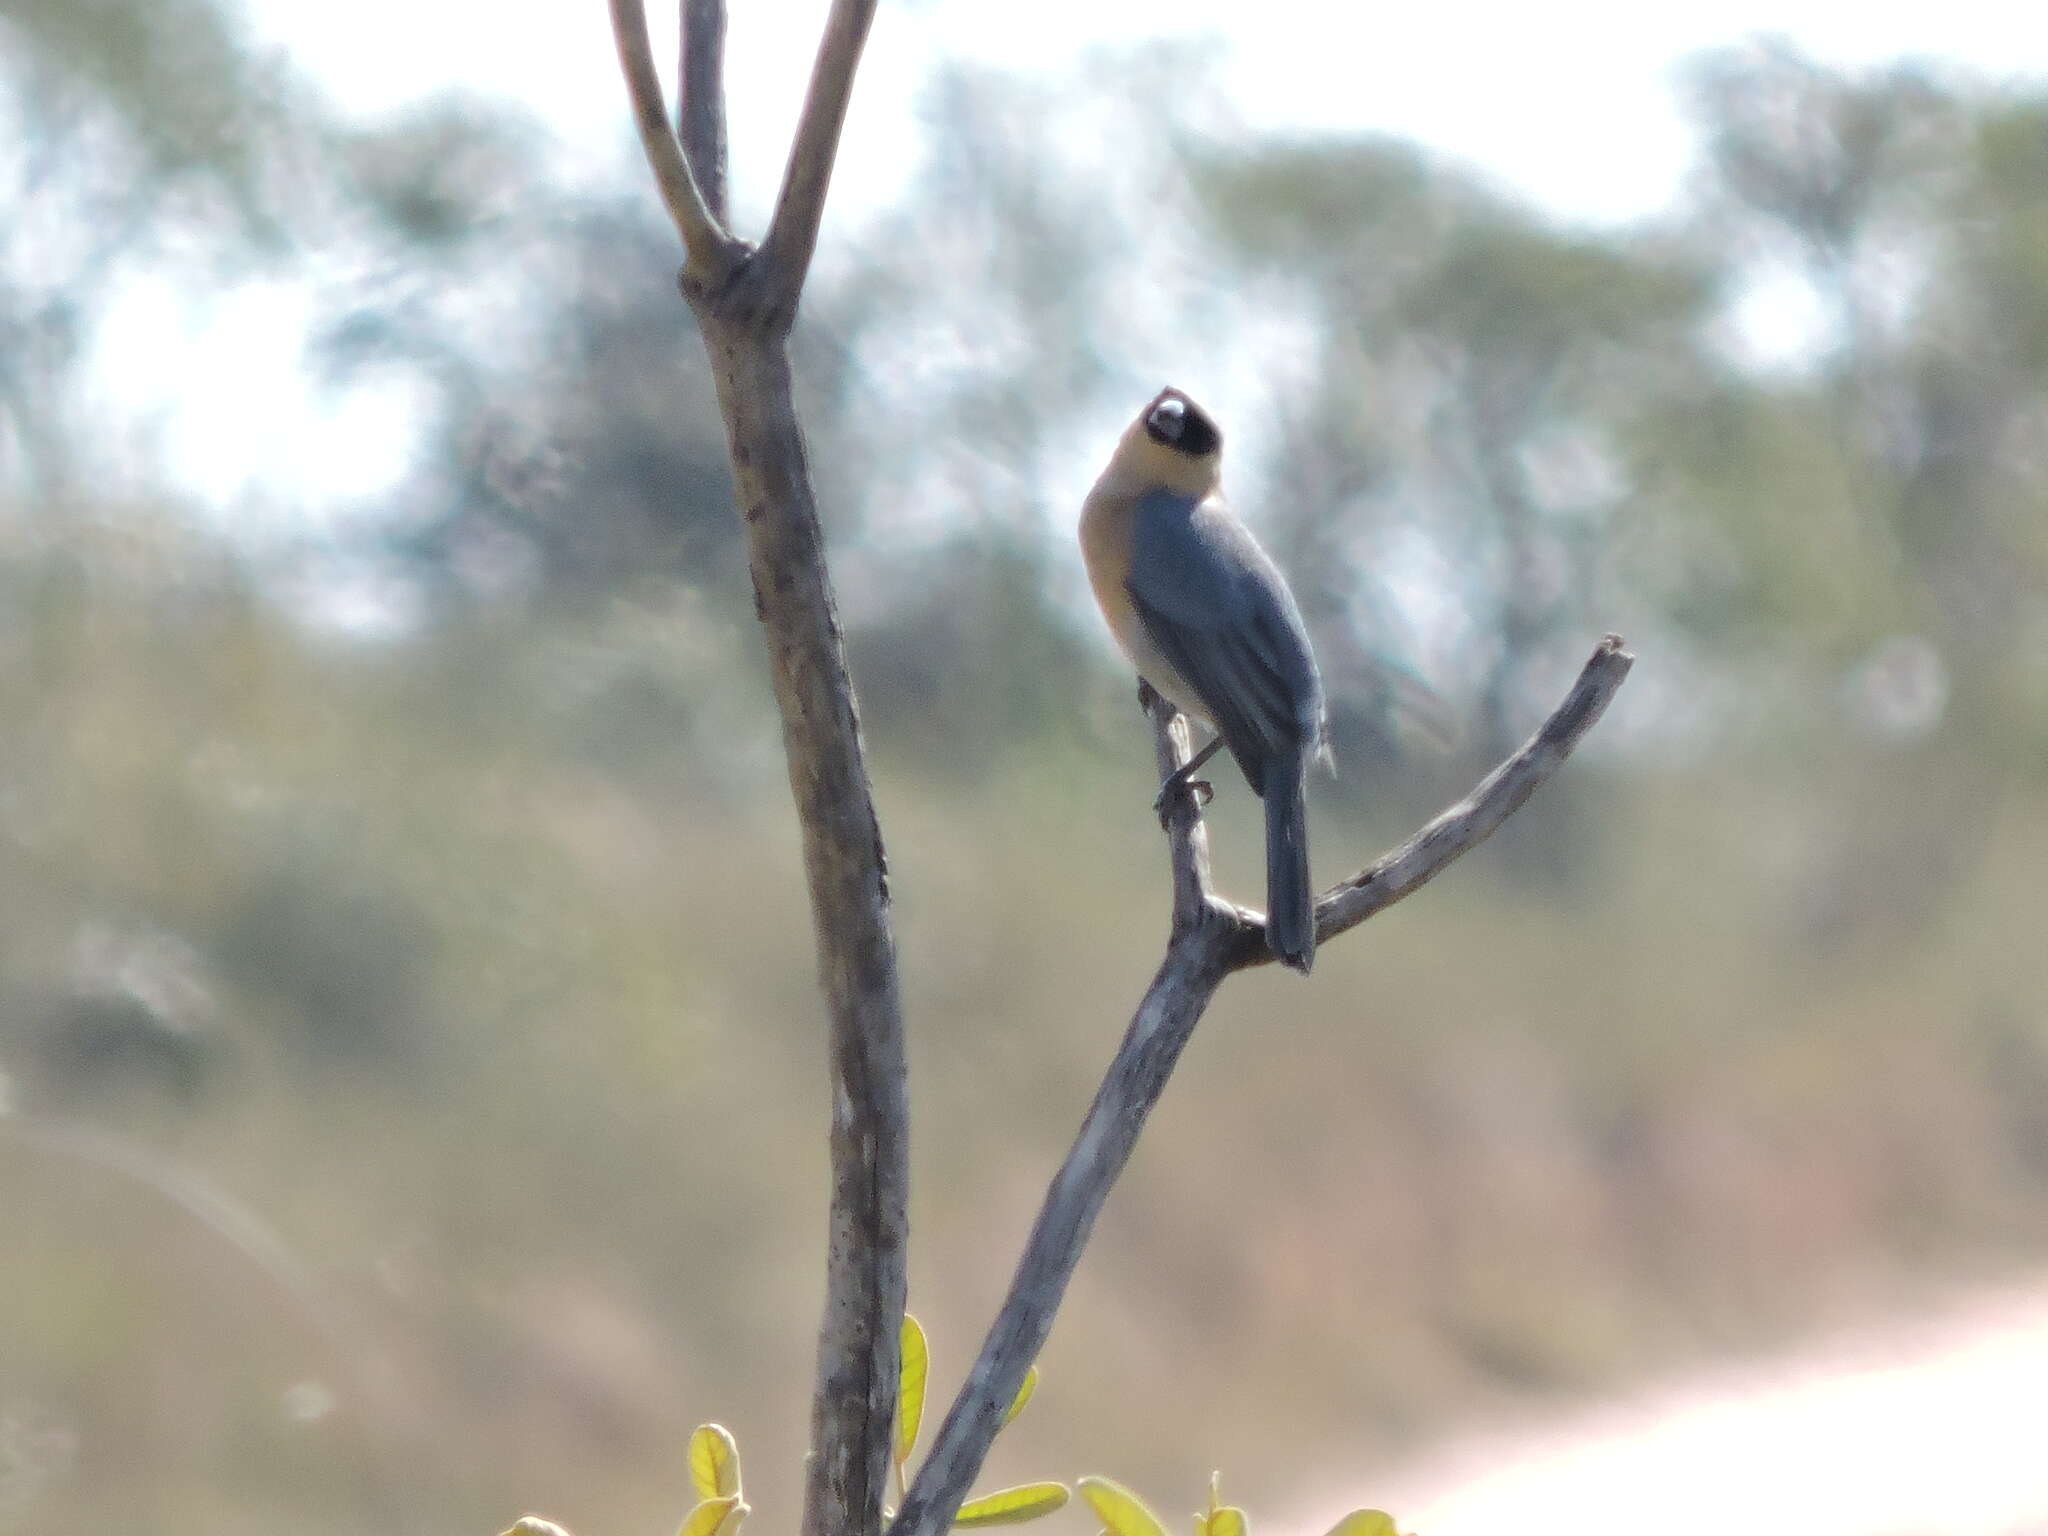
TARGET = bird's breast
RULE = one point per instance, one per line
(1109, 526)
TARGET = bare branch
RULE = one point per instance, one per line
(855, 1397)
(744, 303)
(1472, 820)
(1197, 961)
(1196, 964)
(785, 257)
(1187, 839)
(1210, 940)
(710, 253)
(700, 104)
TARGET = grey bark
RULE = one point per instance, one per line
(700, 101)
(1211, 939)
(745, 302)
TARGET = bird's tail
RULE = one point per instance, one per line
(1290, 897)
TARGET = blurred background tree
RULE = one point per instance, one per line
(398, 881)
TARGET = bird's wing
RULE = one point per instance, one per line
(1216, 607)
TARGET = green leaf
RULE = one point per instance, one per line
(1009, 1506)
(714, 1462)
(1023, 1396)
(1366, 1522)
(910, 1388)
(533, 1525)
(1221, 1519)
(1120, 1510)
(707, 1517)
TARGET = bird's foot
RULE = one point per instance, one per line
(1176, 783)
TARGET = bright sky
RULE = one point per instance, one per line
(1570, 102)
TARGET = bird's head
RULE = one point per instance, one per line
(1175, 422)
(1173, 445)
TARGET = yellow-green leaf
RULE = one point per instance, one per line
(734, 1518)
(706, 1518)
(1366, 1522)
(1220, 1519)
(1121, 1510)
(533, 1525)
(1023, 1396)
(910, 1388)
(714, 1462)
(1009, 1506)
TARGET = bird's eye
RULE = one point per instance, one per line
(1167, 419)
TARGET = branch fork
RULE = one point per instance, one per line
(745, 299)
(757, 288)
(1212, 939)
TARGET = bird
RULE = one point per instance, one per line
(1207, 620)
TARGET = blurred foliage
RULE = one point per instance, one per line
(405, 997)
(713, 1456)
(1123, 1513)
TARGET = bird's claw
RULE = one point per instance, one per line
(1202, 790)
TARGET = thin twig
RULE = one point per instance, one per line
(1160, 1030)
(793, 232)
(700, 103)
(1187, 836)
(1196, 964)
(1472, 820)
(710, 253)
(1214, 940)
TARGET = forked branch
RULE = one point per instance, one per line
(744, 301)
(1471, 821)
(1211, 939)
(793, 232)
(710, 253)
